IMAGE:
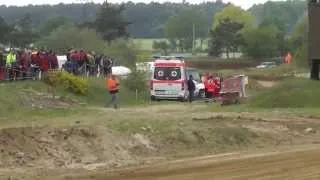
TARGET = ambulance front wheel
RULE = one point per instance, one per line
(153, 98)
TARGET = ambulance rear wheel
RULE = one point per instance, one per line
(182, 99)
(202, 94)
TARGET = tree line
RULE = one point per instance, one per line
(236, 30)
(265, 30)
(149, 19)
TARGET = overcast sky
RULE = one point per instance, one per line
(243, 3)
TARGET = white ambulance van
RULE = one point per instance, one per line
(169, 79)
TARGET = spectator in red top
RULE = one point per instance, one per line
(75, 58)
(23, 64)
(35, 64)
(44, 65)
(53, 61)
(82, 57)
(35, 59)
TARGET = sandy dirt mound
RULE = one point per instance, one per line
(68, 148)
(267, 84)
(36, 100)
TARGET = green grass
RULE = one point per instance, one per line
(99, 96)
(14, 103)
(292, 93)
(273, 74)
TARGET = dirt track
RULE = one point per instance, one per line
(106, 140)
(302, 164)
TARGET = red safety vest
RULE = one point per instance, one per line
(211, 86)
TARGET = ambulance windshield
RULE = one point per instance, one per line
(167, 73)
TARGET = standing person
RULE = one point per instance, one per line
(44, 65)
(113, 87)
(91, 63)
(105, 63)
(98, 67)
(53, 60)
(217, 86)
(10, 63)
(55, 63)
(191, 88)
(205, 83)
(288, 59)
(24, 64)
(211, 87)
(35, 64)
(2, 65)
(75, 58)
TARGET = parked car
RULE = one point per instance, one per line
(267, 65)
(199, 92)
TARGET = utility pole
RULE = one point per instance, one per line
(193, 37)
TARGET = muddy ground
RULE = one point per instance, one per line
(95, 144)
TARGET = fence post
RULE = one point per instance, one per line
(136, 94)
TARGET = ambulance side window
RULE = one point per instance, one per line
(167, 73)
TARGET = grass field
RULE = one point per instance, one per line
(72, 133)
(146, 44)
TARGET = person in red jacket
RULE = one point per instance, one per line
(53, 60)
(83, 57)
(23, 64)
(75, 58)
(205, 83)
(217, 86)
(35, 64)
(44, 65)
(210, 87)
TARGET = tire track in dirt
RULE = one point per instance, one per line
(299, 165)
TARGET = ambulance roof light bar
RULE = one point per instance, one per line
(169, 58)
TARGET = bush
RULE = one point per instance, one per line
(136, 81)
(68, 81)
(301, 57)
(125, 52)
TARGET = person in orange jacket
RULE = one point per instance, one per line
(113, 88)
(288, 59)
(205, 83)
(210, 87)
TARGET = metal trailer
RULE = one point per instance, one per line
(233, 90)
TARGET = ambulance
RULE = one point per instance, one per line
(168, 79)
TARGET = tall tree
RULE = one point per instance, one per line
(280, 33)
(181, 28)
(261, 42)
(70, 36)
(110, 22)
(235, 14)
(23, 34)
(163, 46)
(4, 31)
(52, 24)
(300, 42)
(288, 12)
(227, 36)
